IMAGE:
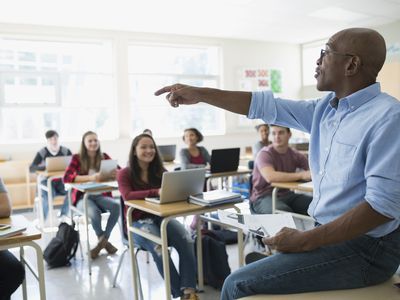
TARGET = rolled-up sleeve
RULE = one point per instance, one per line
(283, 112)
(382, 169)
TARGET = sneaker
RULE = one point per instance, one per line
(110, 248)
(254, 256)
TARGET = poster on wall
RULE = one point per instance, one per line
(258, 79)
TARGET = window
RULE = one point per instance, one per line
(310, 54)
(153, 66)
(63, 85)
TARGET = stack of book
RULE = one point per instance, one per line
(215, 197)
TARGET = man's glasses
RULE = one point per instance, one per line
(327, 52)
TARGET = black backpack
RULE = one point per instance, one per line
(215, 260)
(63, 247)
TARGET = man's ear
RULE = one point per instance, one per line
(353, 66)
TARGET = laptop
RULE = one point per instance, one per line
(224, 160)
(179, 185)
(167, 152)
(108, 165)
(57, 163)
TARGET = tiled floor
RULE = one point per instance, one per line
(74, 282)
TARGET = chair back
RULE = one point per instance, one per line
(122, 222)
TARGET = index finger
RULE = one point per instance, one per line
(165, 89)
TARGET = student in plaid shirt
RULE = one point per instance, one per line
(85, 167)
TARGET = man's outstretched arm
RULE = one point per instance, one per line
(237, 102)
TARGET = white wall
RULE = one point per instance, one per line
(235, 54)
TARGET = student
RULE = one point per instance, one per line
(85, 167)
(193, 156)
(12, 272)
(279, 163)
(355, 164)
(142, 178)
(263, 131)
(53, 149)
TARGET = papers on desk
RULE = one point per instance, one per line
(215, 197)
(11, 230)
(272, 223)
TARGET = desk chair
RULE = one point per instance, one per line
(125, 242)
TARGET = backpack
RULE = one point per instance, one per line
(215, 260)
(62, 247)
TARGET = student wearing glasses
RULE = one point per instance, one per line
(355, 165)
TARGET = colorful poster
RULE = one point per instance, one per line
(258, 79)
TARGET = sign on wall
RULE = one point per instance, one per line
(259, 79)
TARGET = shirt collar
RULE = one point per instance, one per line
(358, 98)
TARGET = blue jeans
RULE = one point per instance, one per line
(360, 262)
(98, 204)
(291, 202)
(178, 238)
(58, 190)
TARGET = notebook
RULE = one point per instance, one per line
(224, 160)
(179, 185)
(57, 163)
(167, 152)
(10, 230)
(215, 197)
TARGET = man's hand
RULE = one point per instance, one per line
(289, 240)
(180, 94)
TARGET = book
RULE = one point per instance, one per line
(93, 185)
(215, 197)
(11, 230)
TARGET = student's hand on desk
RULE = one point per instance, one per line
(180, 94)
(112, 175)
(289, 240)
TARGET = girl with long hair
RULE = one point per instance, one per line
(85, 167)
(142, 178)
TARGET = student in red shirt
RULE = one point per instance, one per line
(193, 156)
(142, 178)
(85, 167)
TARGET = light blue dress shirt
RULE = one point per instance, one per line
(354, 150)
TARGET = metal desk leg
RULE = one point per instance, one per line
(274, 198)
(22, 259)
(132, 252)
(40, 266)
(240, 242)
(199, 255)
(85, 205)
(165, 257)
(50, 200)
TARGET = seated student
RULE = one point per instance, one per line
(85, 167)
(52, 149)
(263, 131)
(275, 163)
(193, 156)
(142, 178)
(12, 272)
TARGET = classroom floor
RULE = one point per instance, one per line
(74, 282)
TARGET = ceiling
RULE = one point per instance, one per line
(293, 21)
